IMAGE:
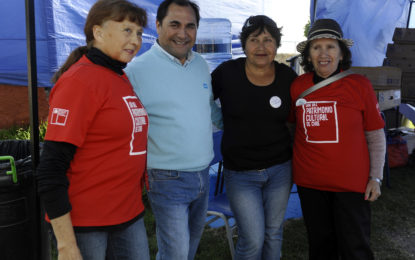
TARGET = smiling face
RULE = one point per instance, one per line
(325, 55)
(119, 40)
(177, 31)
(260, 50)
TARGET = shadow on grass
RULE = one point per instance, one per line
(393, 226)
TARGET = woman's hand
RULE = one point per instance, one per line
(372, 190)
(69, 253)
(65, 237)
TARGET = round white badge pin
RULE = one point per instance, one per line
(275, 102)
(300, 102)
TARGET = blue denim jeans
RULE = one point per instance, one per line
(179, 202)
(258, 199)
(128, 244)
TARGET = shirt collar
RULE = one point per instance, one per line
(190, 55)
(317, 78)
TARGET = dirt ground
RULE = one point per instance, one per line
(393, 217)
(405, 241)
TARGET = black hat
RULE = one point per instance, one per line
(324, 28)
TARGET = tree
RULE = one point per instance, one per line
(307, 28)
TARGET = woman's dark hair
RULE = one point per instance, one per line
(344, 64)
(260, 22)
(164, 6)
(100, 12)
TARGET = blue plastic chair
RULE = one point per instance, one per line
(218, 207)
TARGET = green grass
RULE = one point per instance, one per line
(393, 220)
(393, 226)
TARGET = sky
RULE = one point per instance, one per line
(292, 16)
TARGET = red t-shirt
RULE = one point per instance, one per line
(97, 110)
(330, 149)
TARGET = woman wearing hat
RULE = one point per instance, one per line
(339, 147)
(255, 96)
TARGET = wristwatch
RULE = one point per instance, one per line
(376, 179)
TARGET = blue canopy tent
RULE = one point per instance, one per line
(59, 29)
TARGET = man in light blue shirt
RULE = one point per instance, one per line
(174, 85)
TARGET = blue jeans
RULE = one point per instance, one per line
(129, 243)
(258, 199)
(179, 202)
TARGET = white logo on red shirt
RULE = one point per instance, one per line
(138, 115)
(320, 122)
(59, 116)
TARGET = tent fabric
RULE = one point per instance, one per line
(236, 11)
(13, 54)
(369, 23)
(59, 29)
(66, 24)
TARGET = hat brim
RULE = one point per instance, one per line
(301, 46)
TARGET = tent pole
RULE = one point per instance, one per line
(32, 81)
(41, 234)
(314, 11)
(409, 14)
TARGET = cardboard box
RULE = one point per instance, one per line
(405, 64)
(401, 51)
(408, 85)
(388, 99)
(404, 35)
(381, 77)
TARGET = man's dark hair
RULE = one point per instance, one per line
(162, 10)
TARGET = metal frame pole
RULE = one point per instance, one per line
(42, 239)
(32, 81)
(409, 14)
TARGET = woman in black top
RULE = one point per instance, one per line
(256, 145)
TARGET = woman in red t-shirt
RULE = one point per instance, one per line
(339, 147)
(92, 166)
